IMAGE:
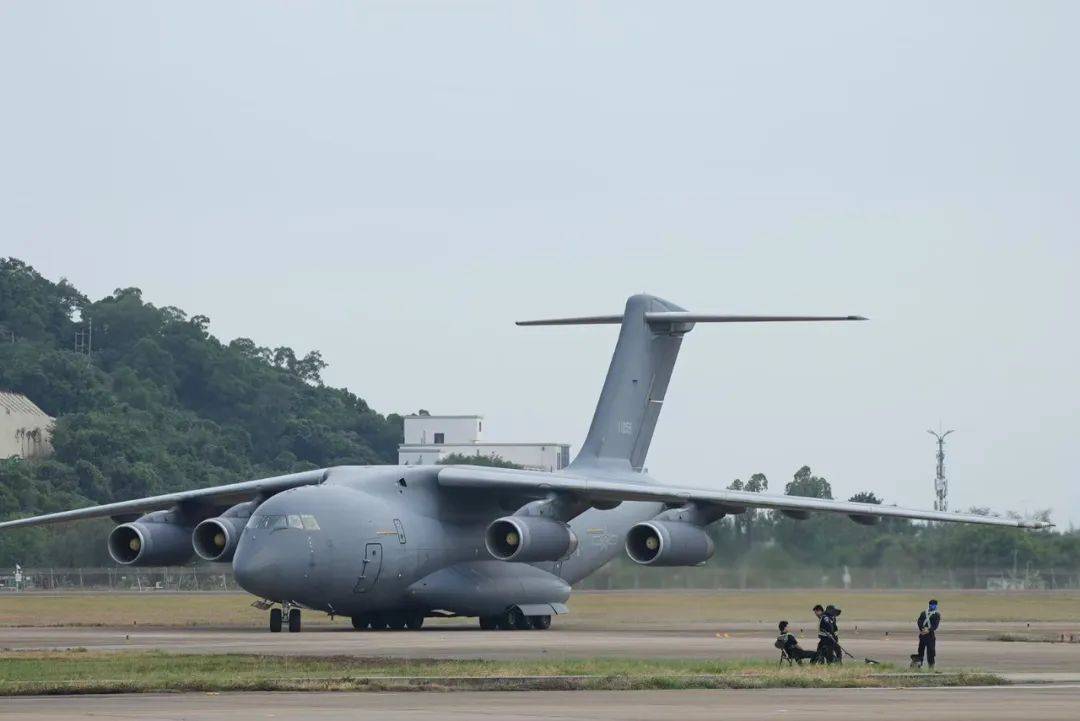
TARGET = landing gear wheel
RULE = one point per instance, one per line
(275, 620)
(540, 623)
(396, 621)
(361, 622)
(489, 623)
(518, 620)
(294, 620)
(414, 621)
(378, 622)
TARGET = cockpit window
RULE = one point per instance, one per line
(269, 522)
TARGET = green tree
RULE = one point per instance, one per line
(460, 459)
(160, 405)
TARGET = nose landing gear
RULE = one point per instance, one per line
(278, 615)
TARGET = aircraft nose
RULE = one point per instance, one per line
(255, 567)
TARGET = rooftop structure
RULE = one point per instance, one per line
(431, 438)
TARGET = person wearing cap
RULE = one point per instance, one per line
(927, 623)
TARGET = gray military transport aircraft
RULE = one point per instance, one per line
(389, 546)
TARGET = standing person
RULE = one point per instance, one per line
(928, 623)
(826, 643)
(833, 613)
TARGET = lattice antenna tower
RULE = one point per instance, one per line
(941, 484)
(84, 338)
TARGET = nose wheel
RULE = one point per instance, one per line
(278, 618)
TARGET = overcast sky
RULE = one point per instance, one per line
(395, 183)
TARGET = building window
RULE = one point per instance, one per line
(439, 438)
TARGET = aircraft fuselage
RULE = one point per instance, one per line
(390, 539)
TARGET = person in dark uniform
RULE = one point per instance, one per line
(833, 614)
(827, 647)
(790, 644)
(928, 623)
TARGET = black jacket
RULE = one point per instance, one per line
(789, 641)
(929, 621)
(827, 627)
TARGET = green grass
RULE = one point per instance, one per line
(642, 608)
(80, 671)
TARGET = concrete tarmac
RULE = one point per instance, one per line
(960, 646)
(1032, 703)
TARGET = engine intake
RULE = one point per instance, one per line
(157, 539)
(529, 538)
(216, 539)
(668, 543)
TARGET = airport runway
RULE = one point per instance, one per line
(985, 704)
(962, 645)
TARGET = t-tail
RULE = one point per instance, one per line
(637, 379)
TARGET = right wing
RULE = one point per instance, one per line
(216, 496)
(538, 484)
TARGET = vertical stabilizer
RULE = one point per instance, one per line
(637, 379)
(633, 393)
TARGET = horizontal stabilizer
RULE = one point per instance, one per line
(585, 320)
(689, 317)
(652, 317)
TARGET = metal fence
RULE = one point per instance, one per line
(619, 574)
(175, 578)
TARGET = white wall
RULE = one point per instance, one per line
(25, 430)
(421, 430)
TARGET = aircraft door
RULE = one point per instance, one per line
(369, 569)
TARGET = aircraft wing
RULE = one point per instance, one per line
(226, 495)
(539, 484)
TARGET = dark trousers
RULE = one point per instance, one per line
(828, 650)
(928, 648)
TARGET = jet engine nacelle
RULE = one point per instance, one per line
(160, 538)
(529, 539)
(668, 543)
(215, 539)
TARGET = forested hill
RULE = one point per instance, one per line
(161, 404)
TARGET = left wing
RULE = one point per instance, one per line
(226, 495)
(539, 484)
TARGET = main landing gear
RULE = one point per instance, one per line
(514, 620)
(278, 615)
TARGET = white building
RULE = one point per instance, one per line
(25, 429)
(430, 439)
